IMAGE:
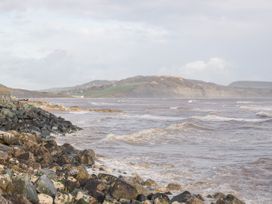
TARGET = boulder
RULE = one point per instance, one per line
(45, 185)
(183, 197)
(86, 157)
(21, 185)
(121, 189)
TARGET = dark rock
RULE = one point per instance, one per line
(46, 186)
(183, 197)
(218, 195)
(82, 201)
(121, 189)
(141, 198)
(68, 149)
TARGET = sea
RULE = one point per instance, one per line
(207, 146)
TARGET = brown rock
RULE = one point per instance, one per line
(86, 157)
(121, 189)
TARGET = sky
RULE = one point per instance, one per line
(58, 43)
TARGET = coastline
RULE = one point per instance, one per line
(47, 172)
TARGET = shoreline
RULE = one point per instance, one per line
(35, 169)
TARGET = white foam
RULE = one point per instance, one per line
(216, 118)
(264, 114)
(155, 135)
(244, 102)
(257, 108)
(154, 117)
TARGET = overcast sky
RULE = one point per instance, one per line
(52, 43)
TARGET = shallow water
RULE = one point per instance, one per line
(205, 145)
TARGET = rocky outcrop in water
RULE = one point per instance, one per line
(22, 117)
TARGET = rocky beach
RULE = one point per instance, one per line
(35, 169)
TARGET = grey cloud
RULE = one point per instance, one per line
(42, 40)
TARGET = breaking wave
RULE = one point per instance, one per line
(264, 114)
(155, 135)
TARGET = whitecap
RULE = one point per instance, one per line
(216, 118)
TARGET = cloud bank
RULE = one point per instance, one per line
(46, 43)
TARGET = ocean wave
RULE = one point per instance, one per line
(216, 118)
(264, 114)
(154, 117)
(257, 108)
(244, 102)
(157, 135)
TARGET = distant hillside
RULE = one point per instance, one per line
(252, 84)
(21, 93)
(159, 86)
(96, 83)
(4, 90)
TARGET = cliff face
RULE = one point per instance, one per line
(161, 86)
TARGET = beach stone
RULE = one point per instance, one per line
(150, 183)
(82, 174)
(147, 202)
(107, 177)
(68, 149)
(159, 198)
(45, 199)
(22, 185)
(58, 185)
(82, 196)
(62, 198)
(141, 197)
(195, 200)
(229, 199)
(183, 197)
(46, 186)
(5, 182)
(173, 187)
(121, 189)
(87, 157)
